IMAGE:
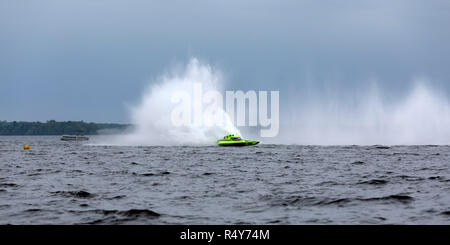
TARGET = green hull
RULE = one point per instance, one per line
(237, 143)
(232, 140)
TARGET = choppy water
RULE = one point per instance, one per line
(73, 183)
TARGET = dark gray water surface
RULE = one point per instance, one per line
(74, 183)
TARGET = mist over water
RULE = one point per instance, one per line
(152, 117)
(421, 117)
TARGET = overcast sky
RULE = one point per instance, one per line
(86, 60)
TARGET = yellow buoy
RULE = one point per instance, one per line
(26, 147)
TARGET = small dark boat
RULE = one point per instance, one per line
(74, 138)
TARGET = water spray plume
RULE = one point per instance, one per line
(152, 117)
(420, 118)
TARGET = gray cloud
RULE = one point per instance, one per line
(85, 59)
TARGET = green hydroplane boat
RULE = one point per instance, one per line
(232, 140)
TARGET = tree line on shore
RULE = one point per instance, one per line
(53, 127)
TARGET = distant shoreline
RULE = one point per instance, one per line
(53, 127)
